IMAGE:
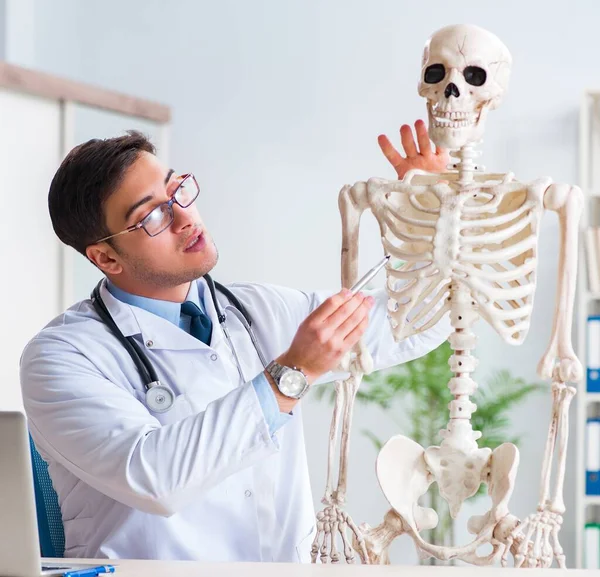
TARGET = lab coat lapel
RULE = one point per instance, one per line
(241, 341)
(156, 332)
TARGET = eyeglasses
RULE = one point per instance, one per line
(161, 217)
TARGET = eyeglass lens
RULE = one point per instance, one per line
(162, 216)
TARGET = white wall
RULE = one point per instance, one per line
(278, 104)
(17, 19)
(30, 255)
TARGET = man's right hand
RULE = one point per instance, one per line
(328, 333)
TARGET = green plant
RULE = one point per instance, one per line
(415, 396)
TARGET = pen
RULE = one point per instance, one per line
(90, 571)
(365, 279)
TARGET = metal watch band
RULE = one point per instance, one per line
(276, 370)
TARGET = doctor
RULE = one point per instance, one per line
(213, 466)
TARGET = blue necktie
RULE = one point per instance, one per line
(201, 325)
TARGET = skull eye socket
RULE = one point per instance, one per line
(474, 75)
(434, 73)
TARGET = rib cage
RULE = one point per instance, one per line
(484, 235)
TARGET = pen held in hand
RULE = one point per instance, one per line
(367, 277)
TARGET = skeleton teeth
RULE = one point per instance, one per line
(446, 123)
(450, 116)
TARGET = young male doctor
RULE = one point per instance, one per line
(219, 474)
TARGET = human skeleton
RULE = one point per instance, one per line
(467, 243)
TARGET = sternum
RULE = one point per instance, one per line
(446, 242)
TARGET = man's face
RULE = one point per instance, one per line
(143, 263)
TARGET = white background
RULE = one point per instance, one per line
(277, 104)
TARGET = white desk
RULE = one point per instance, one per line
(135, 568)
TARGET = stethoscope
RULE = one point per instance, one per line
(159, 397)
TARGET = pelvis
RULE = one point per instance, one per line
(405, 471)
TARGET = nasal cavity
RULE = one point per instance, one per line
(451, 90)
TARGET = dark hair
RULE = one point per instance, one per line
(86, 178)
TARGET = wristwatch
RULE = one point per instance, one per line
(290, 381)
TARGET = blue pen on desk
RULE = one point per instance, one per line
(90, 571)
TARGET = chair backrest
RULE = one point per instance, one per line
(50, 527)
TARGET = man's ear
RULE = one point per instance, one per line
(104, 257)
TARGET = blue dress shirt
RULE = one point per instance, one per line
(171, 311)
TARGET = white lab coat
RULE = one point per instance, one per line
(205, 480)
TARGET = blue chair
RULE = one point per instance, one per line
(49, 518)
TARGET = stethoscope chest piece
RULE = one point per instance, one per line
(159, 398)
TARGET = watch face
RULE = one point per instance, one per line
(292, 383)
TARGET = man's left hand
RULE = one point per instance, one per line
(425, 157)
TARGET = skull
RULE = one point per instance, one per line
(464, 74)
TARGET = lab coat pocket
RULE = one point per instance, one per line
(304, 546)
